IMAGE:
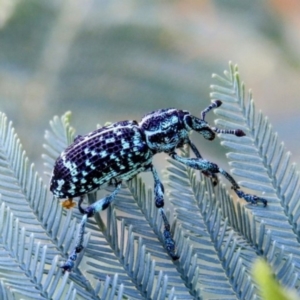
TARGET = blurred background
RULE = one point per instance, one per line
(117, 60)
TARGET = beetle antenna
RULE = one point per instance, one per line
(236, 132)
(214, 104)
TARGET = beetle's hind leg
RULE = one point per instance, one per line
(87, 213)
(159, 203)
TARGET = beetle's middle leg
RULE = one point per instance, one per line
(205, 165)
(87, 213)
(159, 203)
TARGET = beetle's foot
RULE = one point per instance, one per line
(170, 244)
(253, 199)
(69, 264)
(168, 239)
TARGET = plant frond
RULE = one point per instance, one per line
(217, 236)
(25, 194)
(5, 292)
(265, 165)
(23, 263)
(213, 244)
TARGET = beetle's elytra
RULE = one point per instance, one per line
(122, 150)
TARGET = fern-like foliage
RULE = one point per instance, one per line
(226, 234)
(33, 232)
(263, 162)
(218, 237)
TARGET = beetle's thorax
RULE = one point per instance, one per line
(165, 129)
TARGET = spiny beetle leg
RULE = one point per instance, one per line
(213, 177)
(204, 165)
(158, 189)
(207, 166)
(69, 264)
(81, 199)
(87, 213)
(169, 242)
(253, 199)
(159, 203)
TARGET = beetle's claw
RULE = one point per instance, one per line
(253, 199)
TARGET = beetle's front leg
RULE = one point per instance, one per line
(205, 165)
(213, 176)
(87, 213)
(159, 203)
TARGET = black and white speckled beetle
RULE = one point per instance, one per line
(122, 150)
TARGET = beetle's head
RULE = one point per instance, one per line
(164, 129)
(167, 129)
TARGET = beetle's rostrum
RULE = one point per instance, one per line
(120, 151)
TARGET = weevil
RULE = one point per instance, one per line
(120, 151)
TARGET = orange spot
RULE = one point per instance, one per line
(68, 203)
